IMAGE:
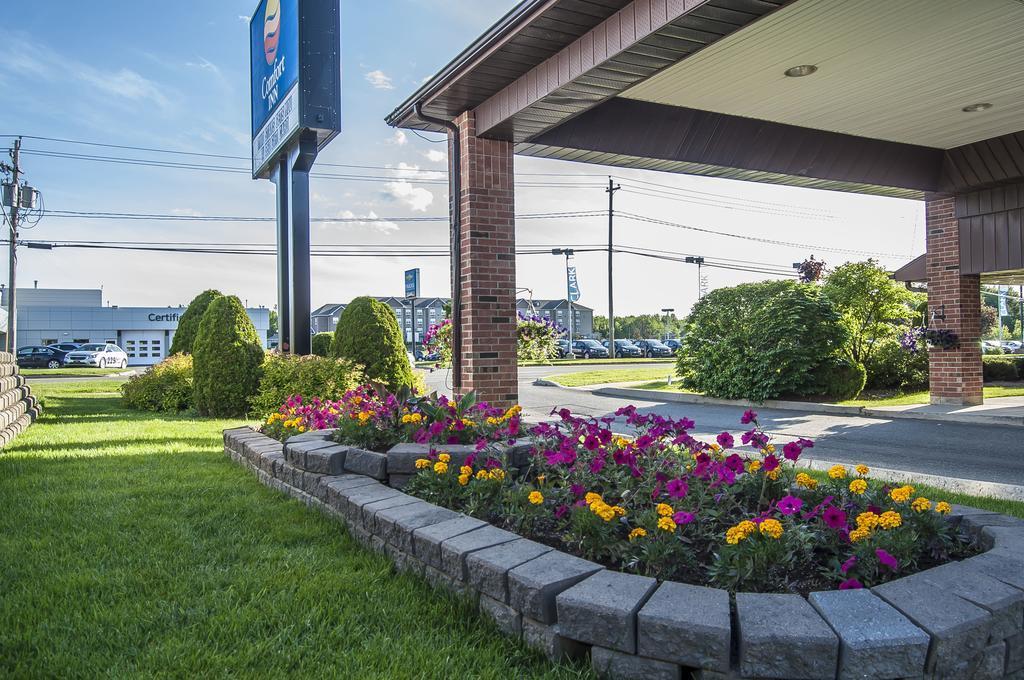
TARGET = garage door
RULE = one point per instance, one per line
(143, 347)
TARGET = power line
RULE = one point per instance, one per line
(171, 217)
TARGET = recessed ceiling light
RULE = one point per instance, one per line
(981, 106)
(801, 71)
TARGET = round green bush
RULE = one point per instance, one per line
(893, 368)
(226, 358)
(283, 375)
(759, 341)
(1002, 368)
(167, 386)
(368, 335)
(839, 379)
(188, 323)
(322, 344)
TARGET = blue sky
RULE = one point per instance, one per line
(128, 73)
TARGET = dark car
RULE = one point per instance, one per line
(624, 348)
(563, 349)
(65, 346)
(653, 348)
(37, 356)
(422, 355)
(589, 349)
(673, 344)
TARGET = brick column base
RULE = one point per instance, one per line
(954, 375)
(488, 266)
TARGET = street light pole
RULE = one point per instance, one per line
(699, 261)
(568, 252)
(666, 311)
(612, 188)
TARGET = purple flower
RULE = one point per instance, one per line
(677, 488)
(561, 511)
(726, 441)
(770, 462)
(591, 443)
(683, 517)
(577, 490)
(791, 451)
(788, 505)
(748, 417)
(887, 559)
(834, 518)
(735, 463)
(848, 564)
(850, 584)
(597, 465)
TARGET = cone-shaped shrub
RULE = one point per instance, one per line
(226, 358)
(188, 324)
(368, 334)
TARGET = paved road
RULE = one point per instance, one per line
(980, 452)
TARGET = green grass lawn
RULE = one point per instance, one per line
(66, 372)
(600, 377)
(131, 546)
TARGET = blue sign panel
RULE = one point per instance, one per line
(412, 283)
(574, 284)
(274, 51)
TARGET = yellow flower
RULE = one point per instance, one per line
(541, 478)
(465, 470)
(739, 532)
(774, 474)
(302, 428)
(422, 463)
(771, 528)
(806, 481)
(858, 486)
(890, 520)
(619, 510)
(444, 458)
(664, 510)
(481, 474)
(603, 510)
(592, 498)
(496, 474)
(622, 443)
(862, 470)
(867, 520)
(536, 497)
(463, 480)
(921, 504)
(440, 467)
(753, 466)
(837, 472)
(859, 534)
(943, 508)
(492, 421)
(902, 494)
(666, 524)
(468, 423)
(770, 448)
(637, 533)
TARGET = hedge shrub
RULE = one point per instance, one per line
(188, 324)
(839, 379)
(283, 375)
(167, 386)
(893, 368)
(1005, 368)
(322, 344)
(759, 341)
(226, 356)
(368, 335)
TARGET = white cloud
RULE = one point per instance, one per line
(124, 83)
(379, 80)
(435, 156)
(413, 197)
(405, 170)
(186, 212)
(242, 17)
(398, 139)
(204, 64)
(370, 219)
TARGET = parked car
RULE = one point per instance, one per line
(673, 344)
(624, 348)
(1012, 346)
(65, 346)
(563, 349)
(100, 355)
(653, 348)
(589, 349)
(422, 355)
(37, 356)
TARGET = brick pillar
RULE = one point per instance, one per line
(488, 266)
(954, 375)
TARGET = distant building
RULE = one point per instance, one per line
(431, 310)
(50, 315)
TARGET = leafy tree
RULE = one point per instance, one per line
(321, 344)
(988, 320)
(188, 324)
(759, 341)
(226, 358)
(871, 304)
(273, 322)
(601, 326)
(368, 335)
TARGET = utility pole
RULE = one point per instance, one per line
(12, 305)
(612, 188)
(699, 261)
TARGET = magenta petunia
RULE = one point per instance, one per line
(748, 417)
(725, 440)
(561, 511)
(683, 517)
(791, 451)
(677, 488)
(788, 505)
(850, 584)
(770, 463)
(886, 558)
(848, 564)
(834, 518)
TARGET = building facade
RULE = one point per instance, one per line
(49, 316)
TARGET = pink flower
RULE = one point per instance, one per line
(791, 451)
(885, 558)
(561, 511)
(850, 584)
(788, 505)
(725, 440)
(834, 518)
(748, 417)
(677, 488)
(848, 564)
(683, 517)
(770, 462)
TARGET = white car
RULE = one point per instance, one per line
(99, 355)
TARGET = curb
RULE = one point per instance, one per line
(806, 407)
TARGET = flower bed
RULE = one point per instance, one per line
(734, 513)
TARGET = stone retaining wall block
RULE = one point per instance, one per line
(369, 463)
(1005, 602)
(601, 609)
(370, 510)
(488, 569)
(426, 541)
(545, 639)
(398, 524)
(782, 636)
(686, 624)
(327, 460)
(508, 620)
(609, 663)
(402, 457)
(534, 585)
(455, 550)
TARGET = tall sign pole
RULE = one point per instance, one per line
(612, 188)
(295, 55)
